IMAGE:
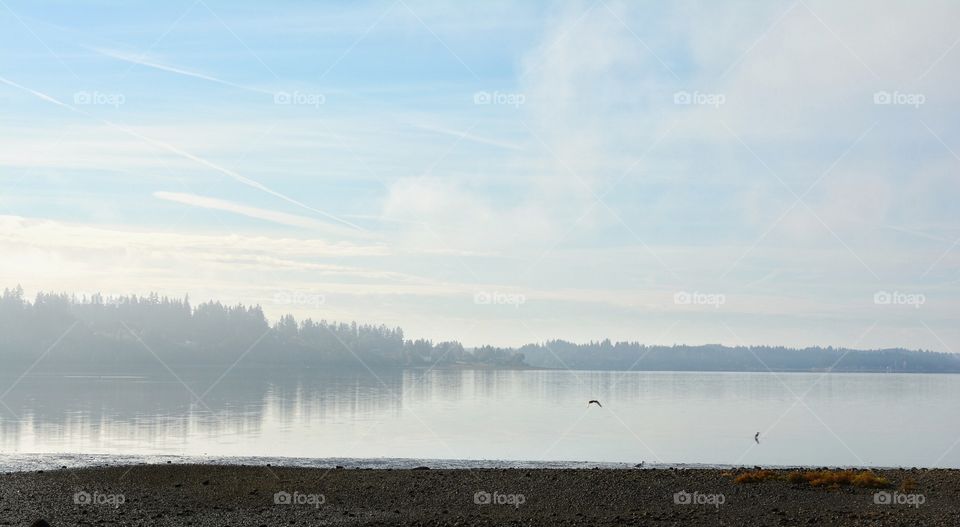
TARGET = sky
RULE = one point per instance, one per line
(782, 173)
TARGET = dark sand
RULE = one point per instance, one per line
(245, 495)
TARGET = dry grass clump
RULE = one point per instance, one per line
(755, 476)
(796, 477)
(838, 478)
(869, 480)
(833, 479)
(827, 478)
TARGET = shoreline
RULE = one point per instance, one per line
(16, 462)
(121, 374)
(200, 495)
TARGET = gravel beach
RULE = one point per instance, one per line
(205, 495)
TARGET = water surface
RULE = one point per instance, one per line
(654, 417)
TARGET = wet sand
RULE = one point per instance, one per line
(205, 495)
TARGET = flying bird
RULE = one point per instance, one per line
(756, 437)
(594, 401)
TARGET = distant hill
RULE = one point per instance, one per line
(98, 334)
(607, 355)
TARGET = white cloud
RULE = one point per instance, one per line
(457, 217)
(50, 234)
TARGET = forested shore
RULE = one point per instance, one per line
(122, 332)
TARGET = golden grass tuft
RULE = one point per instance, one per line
(796, 477)
(869, 480)
(831, 479)
(755, 476)
(838, 478)
(827, 478)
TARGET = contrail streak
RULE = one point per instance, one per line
(183, 153)
(179, 71)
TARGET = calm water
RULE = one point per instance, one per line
(663, 417)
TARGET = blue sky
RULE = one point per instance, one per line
(783, 173)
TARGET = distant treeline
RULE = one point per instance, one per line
(607, 355)
(97, 333)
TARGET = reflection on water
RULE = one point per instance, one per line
(842, 419)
